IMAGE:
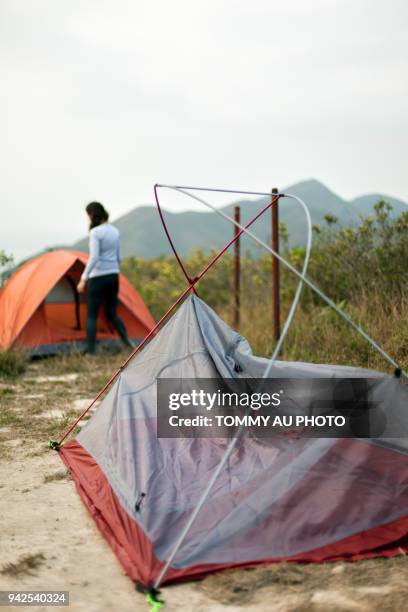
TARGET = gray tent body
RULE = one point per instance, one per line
(277, 498)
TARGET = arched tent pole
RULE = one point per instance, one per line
(166, 231)
(56, 444)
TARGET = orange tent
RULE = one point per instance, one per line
(40, 308)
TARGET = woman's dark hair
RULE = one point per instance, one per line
(97, 214)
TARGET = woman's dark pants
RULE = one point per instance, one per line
(104, 290)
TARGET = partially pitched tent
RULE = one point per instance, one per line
(41, 310)
(299, 500)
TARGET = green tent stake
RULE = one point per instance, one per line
(155, 603)
(53, 445)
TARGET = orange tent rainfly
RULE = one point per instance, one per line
(40, 308)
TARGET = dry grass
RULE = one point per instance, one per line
(24, 566)
(7, 391)
(376, 583)
(60, 475)
(9, 416)
(27, 406)
(319, 335)
(12, 363)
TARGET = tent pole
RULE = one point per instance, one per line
(166, 231)
(237, 269)
(56, 444)
(275, 265)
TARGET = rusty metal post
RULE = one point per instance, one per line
(275, 265)
(237, 270)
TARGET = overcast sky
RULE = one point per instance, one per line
(102, 98)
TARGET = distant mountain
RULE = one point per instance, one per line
(142, 234)
(364, 203)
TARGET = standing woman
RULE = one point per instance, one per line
(101, 274)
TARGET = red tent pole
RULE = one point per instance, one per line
(139, 347)
(56, 444)
(166, 231)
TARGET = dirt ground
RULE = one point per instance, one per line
(49, 542)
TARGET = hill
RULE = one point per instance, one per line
(143, 236)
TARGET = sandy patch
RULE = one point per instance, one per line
(60, 378)
(82, 403)
(34, 396)
(335, 600)
(13, 443)
(55, 413)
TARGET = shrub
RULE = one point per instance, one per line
(12, 363)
